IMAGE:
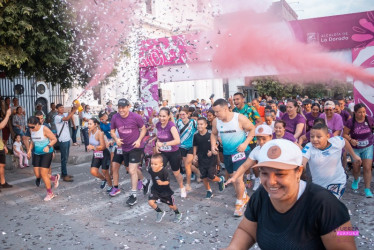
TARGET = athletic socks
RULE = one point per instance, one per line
(49, 190)
(133, 192)
(158, 209)
(176, 211)
(145, 181)
(116, 187)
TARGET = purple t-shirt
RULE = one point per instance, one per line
(287, 136)
(362, 132)
(336, 123)
(292, 123)
(128, 129)
(165, 135)
(310, 120)
(345, 115)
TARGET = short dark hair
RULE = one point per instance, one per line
(320, 126)
(280, 122)
(273, 111)
(157, 156)
(59, 105)
(95, 121)
(239, 93)
(319, 121)
(202, 119)
(195, 114)
(191, 109)
(282, 108)
(221, 102)
(39, 113)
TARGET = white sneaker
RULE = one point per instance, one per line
(257, 184)
(183, 193)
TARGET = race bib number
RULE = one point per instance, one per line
(238, 157)
(119, 151)
(363, 143)
(165, 148)
(98, 154)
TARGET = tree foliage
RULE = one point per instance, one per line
(37, 37)
(274, 88)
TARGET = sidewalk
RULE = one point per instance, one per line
(77, 156)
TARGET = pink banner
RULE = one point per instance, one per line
(337, 32)
(164, 51)
(149, 88)
(364, 93)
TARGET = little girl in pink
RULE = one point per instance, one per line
(18, 151)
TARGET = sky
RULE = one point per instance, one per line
(319, 8)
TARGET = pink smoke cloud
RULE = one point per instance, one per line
(110, 23)
(243, 40)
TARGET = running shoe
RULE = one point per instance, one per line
(49, 197)
(368, 193)
(178, 218)
(37, 182)
(115, 191)
(109, 189)
(159, 216)
(103, 183)
(183, 193)
(132, 200)
(146, 187)
(246, 199)
(6, 185)
(239, 208)
(193, 177)
(56, 181)
(257, 184)
(140, 185)
(221, 183)
(355, 183)
(209, 195)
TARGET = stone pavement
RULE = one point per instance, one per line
(83, 216)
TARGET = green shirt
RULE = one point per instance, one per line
(248, 111)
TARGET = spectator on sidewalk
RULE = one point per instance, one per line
(39, 107)
(3, 151)
(74, 123)
(19, 122)
(63, 136)
(51, 117)
(85, 116)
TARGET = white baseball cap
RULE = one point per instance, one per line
(280, 154)
(263, 130)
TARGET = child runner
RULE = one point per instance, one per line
(205, 159)
(263, 134)
(101, 155)
(324, 156)
(18, 151)
(161, 189)
(41, 149)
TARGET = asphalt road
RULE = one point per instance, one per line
(83, 216)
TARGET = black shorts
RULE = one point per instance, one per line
(117, 158)
(185, 152)
(207, 168)
(164, 199)
(103, 162)
(174, 158)
(42, 161)
(2, 156)
(133, 156)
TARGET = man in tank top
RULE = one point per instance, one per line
(235, 131)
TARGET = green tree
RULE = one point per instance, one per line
(37, 38)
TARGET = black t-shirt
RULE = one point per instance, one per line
(202, 142)
(160, 190)
(316, 213)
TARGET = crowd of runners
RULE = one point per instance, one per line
(216, 141)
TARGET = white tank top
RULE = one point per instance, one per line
(93, 141)
(231, 134)
(40, 141)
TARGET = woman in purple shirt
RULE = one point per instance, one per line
(310, 117)
(167, 144)
(295, 122)
(281, 133)
(359, 132)
(333, 121)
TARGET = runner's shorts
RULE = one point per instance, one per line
(104, 162)
(185, 152)
(164, 199)
(207, 168)
(2, 156)
(231, 166)
(174, 158)
(42, 161)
